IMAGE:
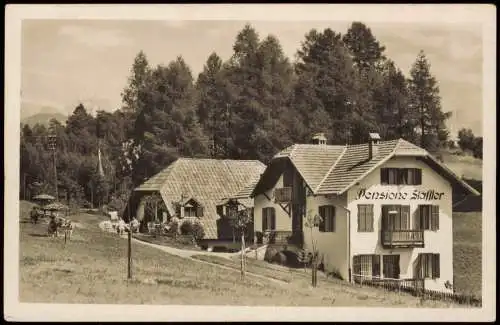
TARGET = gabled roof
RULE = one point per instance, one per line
(329, 169)
(312, 161)
(208, 181)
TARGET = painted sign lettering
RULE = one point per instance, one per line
(413, 195)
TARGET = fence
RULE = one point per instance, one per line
(416, 287)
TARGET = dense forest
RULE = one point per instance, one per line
(247, 107)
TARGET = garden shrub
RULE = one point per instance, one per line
(187, 228)
(198, 231)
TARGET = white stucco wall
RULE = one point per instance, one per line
(440, 241)
(332, 246)
(283, 220)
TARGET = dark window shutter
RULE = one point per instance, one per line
(397, 269)
(370, 217)
(321, 211)
(418, 218)
(199, 211)
(384, 176)
(360, 212)
(273, 218)
(435, 217)
(436, 272)
(405, 217)
(418, 176)
(385, 217)
(264, 219)
(376, 265)
(332, 218)
(417, 271)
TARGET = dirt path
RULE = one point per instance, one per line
(184, 253)
(188, 254)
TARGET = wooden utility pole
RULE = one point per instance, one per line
(129, 250)
(52, 146)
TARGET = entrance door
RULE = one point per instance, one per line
(391, 266)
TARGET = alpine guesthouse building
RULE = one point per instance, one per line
(385, 208)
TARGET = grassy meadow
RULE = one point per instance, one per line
(467, 252)
(92, 268)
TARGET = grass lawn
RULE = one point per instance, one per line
(92, 269)
(165, 241)
(467, 252)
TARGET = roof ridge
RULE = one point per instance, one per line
(331, 168)
(377, 164)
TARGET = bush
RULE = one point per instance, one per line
(198, 231)
(279, 258)
(187, 228)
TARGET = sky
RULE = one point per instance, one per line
(65, 62)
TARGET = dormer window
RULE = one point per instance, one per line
(192, 209)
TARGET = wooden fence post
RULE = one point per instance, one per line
(129, 259)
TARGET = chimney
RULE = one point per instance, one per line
(373, 145)
(319, 138)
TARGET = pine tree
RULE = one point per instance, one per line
(425, 101)
(327, 89)
(366, 50)
(391, 100)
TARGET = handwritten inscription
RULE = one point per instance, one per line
(413, 195)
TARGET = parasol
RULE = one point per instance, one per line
(55, 206)
(42, 197)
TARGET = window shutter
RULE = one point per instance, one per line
(199, 211)
(435, 217)
(332, 217)
(435, 266)
(376, 265)
(418, 218)
(273, 219)
(405, 217)
(321, 211)
(264, 219)
(384, 176)
(418, 176)
(385, 217)
(418, 267)
(370, 217)
(360, 212)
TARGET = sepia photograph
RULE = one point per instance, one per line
(207, 162)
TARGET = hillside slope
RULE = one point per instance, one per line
(44, 118)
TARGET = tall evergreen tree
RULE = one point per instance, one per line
(426, 103)
(329, 91)
(365, 49)
(391, 100)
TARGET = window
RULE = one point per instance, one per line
(327, 214)
(428, 217)
(268, 219)
(391, 266)
(395, 217)
(366, 266)
(428, 266)
(365, 217)
(189, 212)
(401, 176)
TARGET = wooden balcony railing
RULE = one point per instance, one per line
(283, 195)
(402, 238)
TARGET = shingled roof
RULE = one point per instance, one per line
(331, 169)
(208, 181)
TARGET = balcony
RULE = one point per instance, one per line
(283, 195)
(402, 238)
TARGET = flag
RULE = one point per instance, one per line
(99, 162)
